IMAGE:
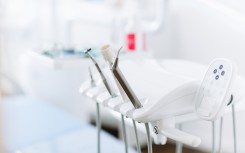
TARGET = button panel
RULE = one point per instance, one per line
(210, 97)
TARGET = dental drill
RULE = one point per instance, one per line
(108, 57)
(122, 83)
(113, 94)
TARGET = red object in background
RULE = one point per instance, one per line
(144, 42)
(131, 42)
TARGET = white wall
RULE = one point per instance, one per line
(200, 30)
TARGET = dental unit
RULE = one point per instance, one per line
(132, 96)
(174, 95)
(112, 93)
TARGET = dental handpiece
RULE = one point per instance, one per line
(131, 95)
(91, 77)
(108, 56)
(124, 84)
(105, 81)
(112, 93)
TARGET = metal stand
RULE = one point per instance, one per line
(220, 134)
(149, 143)
(213, 137)
(179, 145)
(124, 134)
(136, 137)
(234, 127)
(98, 124)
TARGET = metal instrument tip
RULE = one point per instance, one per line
(87, 50)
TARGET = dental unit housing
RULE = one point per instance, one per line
(169, 95)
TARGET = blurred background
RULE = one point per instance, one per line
(42, 64)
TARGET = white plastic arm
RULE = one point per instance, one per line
(166, 127)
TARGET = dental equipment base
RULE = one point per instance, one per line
(158, 101)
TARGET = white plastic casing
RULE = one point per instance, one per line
(170, 88)
(103, 98)
(215, 90)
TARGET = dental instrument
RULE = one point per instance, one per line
(91, 77)
(123, 82)
(103, 77)
(108, 57)
(127, 90)
(111, 91)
